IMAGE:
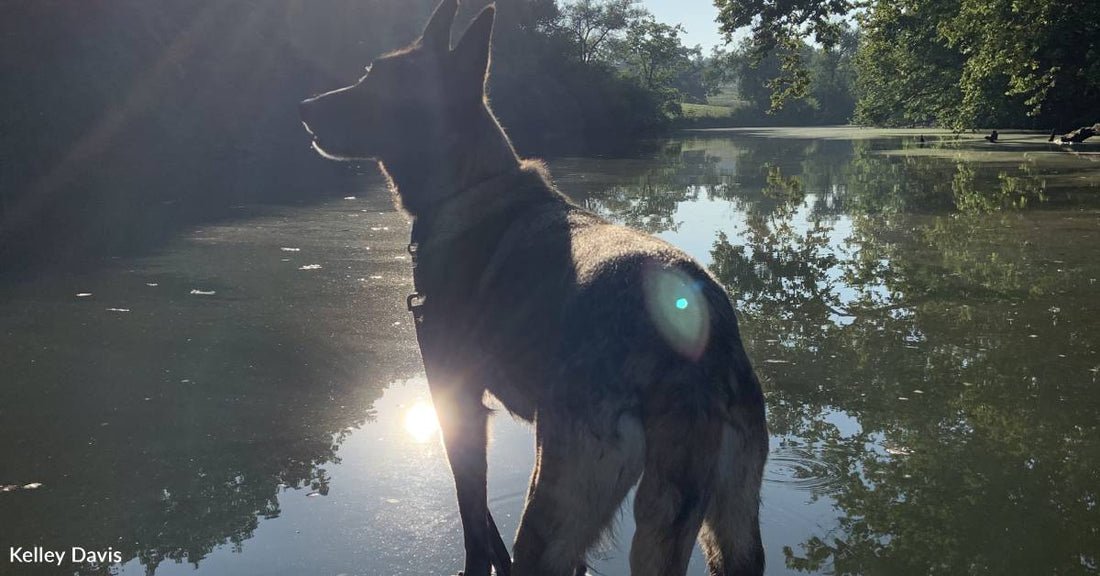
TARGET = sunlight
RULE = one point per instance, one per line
(421, 422)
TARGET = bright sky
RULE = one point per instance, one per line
(697, 16)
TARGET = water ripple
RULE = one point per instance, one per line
(802, 468)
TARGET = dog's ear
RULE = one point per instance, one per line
(471, 55)
(437, 34)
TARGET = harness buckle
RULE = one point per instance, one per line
(415, 303)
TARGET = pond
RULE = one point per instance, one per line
(249, 399)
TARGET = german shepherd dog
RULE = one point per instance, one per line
(623, 351)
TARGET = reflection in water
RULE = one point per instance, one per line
(924, 320)
(421, 422)
(172, 429)
(926, 299)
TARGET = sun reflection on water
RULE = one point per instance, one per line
(421, 422)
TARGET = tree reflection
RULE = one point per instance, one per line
(172, 430)
(945, 305)
(941, 324)
(647, 199)
(926, 326)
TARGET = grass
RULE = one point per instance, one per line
(721, 109)
(727, 98)
(704, 110)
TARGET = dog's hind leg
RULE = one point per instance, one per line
(584, 469)
(681, 453)
(731, 531)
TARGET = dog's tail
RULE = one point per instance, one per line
(730, 536)
(706, 443)
(731, 529)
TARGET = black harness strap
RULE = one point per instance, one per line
(415, 301)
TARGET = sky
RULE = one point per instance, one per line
(697, 16)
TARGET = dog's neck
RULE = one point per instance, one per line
(476, 150)
(483, 203)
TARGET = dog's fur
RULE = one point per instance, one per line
(623, 351)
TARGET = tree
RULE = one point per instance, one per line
(1042, 56)
(591, 23)
(653, 52)
(692, 78)
(832, 79)
(654, 49)
(906, 73)
(957, 63)
(781, 26)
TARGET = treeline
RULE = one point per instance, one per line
(124, 121)
(753, 88)
(586, 70)
(958, 64)
(592, 68)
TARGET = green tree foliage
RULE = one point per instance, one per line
(779, 27)
(654, 54)
(832, 79)
(178, 110)
(906, 72)
(556, 82)
(1043, 55)
(691, 79)
(828, 79)
(926, 342)
(592, 24)
(956, 63)
(916, 301)
(654, 50)
(590, 70)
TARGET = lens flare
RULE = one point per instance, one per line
(676, 305)
(421, 422)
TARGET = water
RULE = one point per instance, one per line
(924, 321)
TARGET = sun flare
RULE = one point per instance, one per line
(421, 422)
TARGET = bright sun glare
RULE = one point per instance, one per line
(421, 422)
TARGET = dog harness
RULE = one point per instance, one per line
(448, 222)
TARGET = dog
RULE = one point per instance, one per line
(622, 351)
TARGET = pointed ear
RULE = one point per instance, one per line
(437, 34)
(471, 55)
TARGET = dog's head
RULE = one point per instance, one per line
(406, 98)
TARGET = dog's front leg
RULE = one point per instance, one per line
(463, 419)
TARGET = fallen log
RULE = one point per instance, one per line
(1080, 135)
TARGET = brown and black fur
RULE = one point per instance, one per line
(567, 320)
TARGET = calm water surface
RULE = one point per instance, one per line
(250, 399)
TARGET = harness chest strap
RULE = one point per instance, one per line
(486, 196)
(414, 302)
